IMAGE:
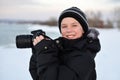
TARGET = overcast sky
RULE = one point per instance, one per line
(44, 9)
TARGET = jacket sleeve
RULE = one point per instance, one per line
(46, 60)
(33, 66)
(93, 46)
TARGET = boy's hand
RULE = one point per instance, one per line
(37, 39)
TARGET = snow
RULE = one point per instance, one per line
(15, 62)
(107, 60)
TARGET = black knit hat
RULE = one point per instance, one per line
(75, 13)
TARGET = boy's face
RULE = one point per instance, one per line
(71, 28)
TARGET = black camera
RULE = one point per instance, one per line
(26, 41)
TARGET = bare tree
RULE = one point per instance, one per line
(94, 19)
(109, 24)
(117, 16)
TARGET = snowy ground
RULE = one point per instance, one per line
(107, 60)
(15, 62)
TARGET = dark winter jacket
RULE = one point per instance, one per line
(63, 59)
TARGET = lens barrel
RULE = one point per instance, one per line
(24, 41)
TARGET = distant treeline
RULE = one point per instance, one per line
(93, 22)
(51, 22)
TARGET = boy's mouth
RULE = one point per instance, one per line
(70, 36)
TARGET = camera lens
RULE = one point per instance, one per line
(24, 41)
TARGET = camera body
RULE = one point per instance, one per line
(26, 41)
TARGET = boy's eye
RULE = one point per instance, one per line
(63, 26)
(74, 25)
